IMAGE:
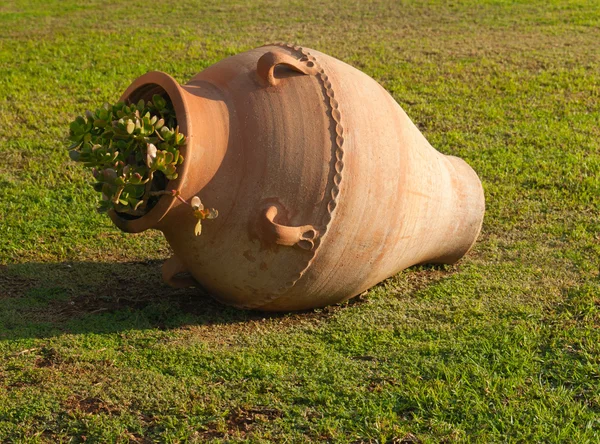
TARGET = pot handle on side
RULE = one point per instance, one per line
(269, 61)
(302, 236)
(172, 269)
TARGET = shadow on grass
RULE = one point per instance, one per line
(42, 300)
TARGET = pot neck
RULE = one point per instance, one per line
(203, 118)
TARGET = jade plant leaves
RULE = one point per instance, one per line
(128, 147)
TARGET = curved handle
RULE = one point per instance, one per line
(303, 236)
(170, 271)
(265, 68)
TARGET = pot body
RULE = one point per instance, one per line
(323, 184)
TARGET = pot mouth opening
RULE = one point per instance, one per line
(145, 87)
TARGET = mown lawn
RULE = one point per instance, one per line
(503, 347)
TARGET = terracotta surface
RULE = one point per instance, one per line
(323, 184)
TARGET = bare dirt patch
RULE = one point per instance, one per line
(241, 422)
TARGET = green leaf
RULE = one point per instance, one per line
(166, 133)
(158, 101)
(198, 228)
(135, 191)
(105, 205)
(133, 202)
(130, 126)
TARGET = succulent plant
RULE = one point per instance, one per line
(133, 150)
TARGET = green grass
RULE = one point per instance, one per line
(503, 347)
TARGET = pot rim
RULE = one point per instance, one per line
(151, 83)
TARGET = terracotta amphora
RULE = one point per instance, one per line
(323, 185)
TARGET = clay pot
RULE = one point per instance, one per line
(323, 184)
